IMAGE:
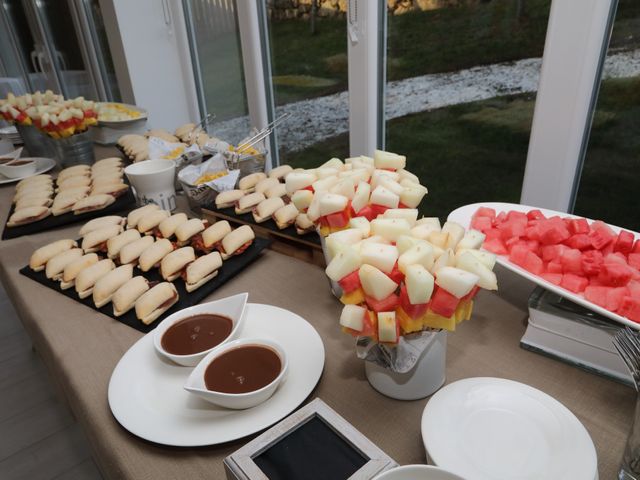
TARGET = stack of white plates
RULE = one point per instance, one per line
(11, 134)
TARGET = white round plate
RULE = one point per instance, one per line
(463, 216)
(128, 121)
(417, 472)
(497, 429)
(147, 397)
(42, 165)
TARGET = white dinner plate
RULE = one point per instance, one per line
(463, 216)
(147, 397)
(127, 121)
(42, 165)
(497, 429)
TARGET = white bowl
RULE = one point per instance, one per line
(236, 401)
(19, 171)
(417, 472)
(233, 307)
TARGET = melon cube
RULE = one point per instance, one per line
(485, 212)
(302, 199)
(552, 252)
(488, 259)
(592, 261)
(405, 242)
(375, 283)
(445, 259)
(407, 175)
(391, 185)
(390, 228)
(409, 214)
(388, 330)
(554, 267)
(412, 196)
(419, 283)
(580, 241)
(419, 254)
(423, 231)
(601, 235)
(345, 262)
(615, 297)
(381, 256)
(518, 254)
(535, 215)
(362, 224)
(332, 203)
(615, 274)
(352, 317)
(481, 223)
(486, 278)
(472, 240)
(456, 281)
(389, 160)
(552, 232)
(345, 187)
(334, 162)
(578, 225)
(456, 233)
(634, 260)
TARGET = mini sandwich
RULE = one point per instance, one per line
(111, 162)
(35, 191)
(72, 270)
(115, 244)
(33, 187)
(247, 184)
(96, 240)
(167, 227)
(76, 170)
(201, 271)
(42, 255)
(114, 189)
(135, 215)
(304, 225)
(263, 185)
(132, 251)
(62, 205)
(125, 297)
(188, 229)
(263, 211)
(211, 237)
(151, 220)
(153, 255)
(237, 241)
(56, 265)
(278, 190)
(155, 302)
(280, 172)
(107, 285)
(101, 222)
(246, 203)
(171, 265)
(35, 180)
(285, 216)
(28, 215)
(74, 182)
(106, 171)
(74, 192)
(109, 179)
(229, 198)
(34, 201)
(87, 278)
(92, 203)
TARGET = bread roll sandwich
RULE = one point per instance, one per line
(75, 171)
(263, 211)
(248, 184)
(280, 172)
(151, 220)
(62, 205)
(31, 191)
(188, 229)
(107, 171)
(153, 255)
(229, 198)
(155, 302)
(87, 278)
(115, 244)
(304, 225)
(125, 297)
(35, 180)
(101, 222)
(135, 215)
(78, 192)
(172, 264)
(73, 182)
(106, 179)
(28, 215)
(263, 185)
(92, 203)
(96, 240)
(111, 162)
(107, 285)
(114, 189)
(285, 216)
(56, 265)
(132, 251)
(42, 255)
(246, 203)
(167, 227)
(36, 200)
(210, 238)
(201, 271)
(72, 270)
(237, 241)
(278, 190)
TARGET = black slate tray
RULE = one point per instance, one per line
(122, 203)
(229, 269)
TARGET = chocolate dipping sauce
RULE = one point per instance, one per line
(196, 334)
(243, 369)
(20, 162)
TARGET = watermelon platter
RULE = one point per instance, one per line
(467, 217)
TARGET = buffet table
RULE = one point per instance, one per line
(81, 347)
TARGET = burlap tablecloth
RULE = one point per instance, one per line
(81, 348)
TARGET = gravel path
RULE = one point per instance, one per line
(328, 116)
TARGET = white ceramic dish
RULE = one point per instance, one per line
(11, 170)
(232, 307)
(43, 165)
(146, 393)
(196, 385)
(126, 122)
(463, 216)
(417, 472)
(497, 429)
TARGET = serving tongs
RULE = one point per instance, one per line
(261, 135)
(203, 123)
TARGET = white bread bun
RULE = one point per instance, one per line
(115, 244)
(101, 222)
(124, 298)
(215, 233)
(65, 204)
(280, 172)
(266, 208)
(249, 182)
(28, 215)
(303, 224)
(237, 238)
(34, 201)
(111, 161)
(172, 264)
(107, 285)
(278, 190)
(285, 216)
(153, 255)
(35, 180)
(135, 215)
(155, 302)
(151, 220)
(94, 240)
(202, 270)
(229, 198)
(168, 226)
(45, 253)
(72, 182)
(56, 265)
(87, 278)
(263, 185)
(246, 203)
(72, 270)
(130, 252)
(92, 203)
(188, 229)
(114, 189)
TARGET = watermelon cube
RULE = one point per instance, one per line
(387, 304)
(579, 241)
(443, 303)
(601, 237)
(396, 275)
(535, 215)
(511, 228)
(471, 295)
(571, 260)
(578, 225)
(518, 254)
(615, 274)
(555, 267)
(574, 283)
(634, 288)
(482, 223)
(552, 232)
(533, 263)
(555, 278)
(616, 257)
(614, 298)
(351, 282)
(634, 260)
(495, 246)
(519, 217)
(624, 242)
(492, 234)
(485, 212)
(597, 295)
(592, 260)
(531, 232)
(412, 310)
(630, 308)
(552, 252)
(636, 247)
(501, 217)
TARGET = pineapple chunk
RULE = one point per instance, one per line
(375, 283)
(455, 231)
(361, 197)
(361, 224)
(472, 239)
(353, 298)
(390, 228)
(352, 317)
(409, 214)
(390, 160)
(419, 254)
(381, 256)
(387, 327)
(345, 262)
(419, 284)
(384, 197)
(468, 262)
(456, 281)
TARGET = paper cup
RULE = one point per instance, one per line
(153, 182)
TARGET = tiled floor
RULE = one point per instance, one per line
(39, 438)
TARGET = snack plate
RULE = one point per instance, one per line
(229, 269)
(463, 216)
(128, 121)
(146, 393)
(42, 165)
(493, 428)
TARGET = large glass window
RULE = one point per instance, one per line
(609, 183)
(461, 87)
